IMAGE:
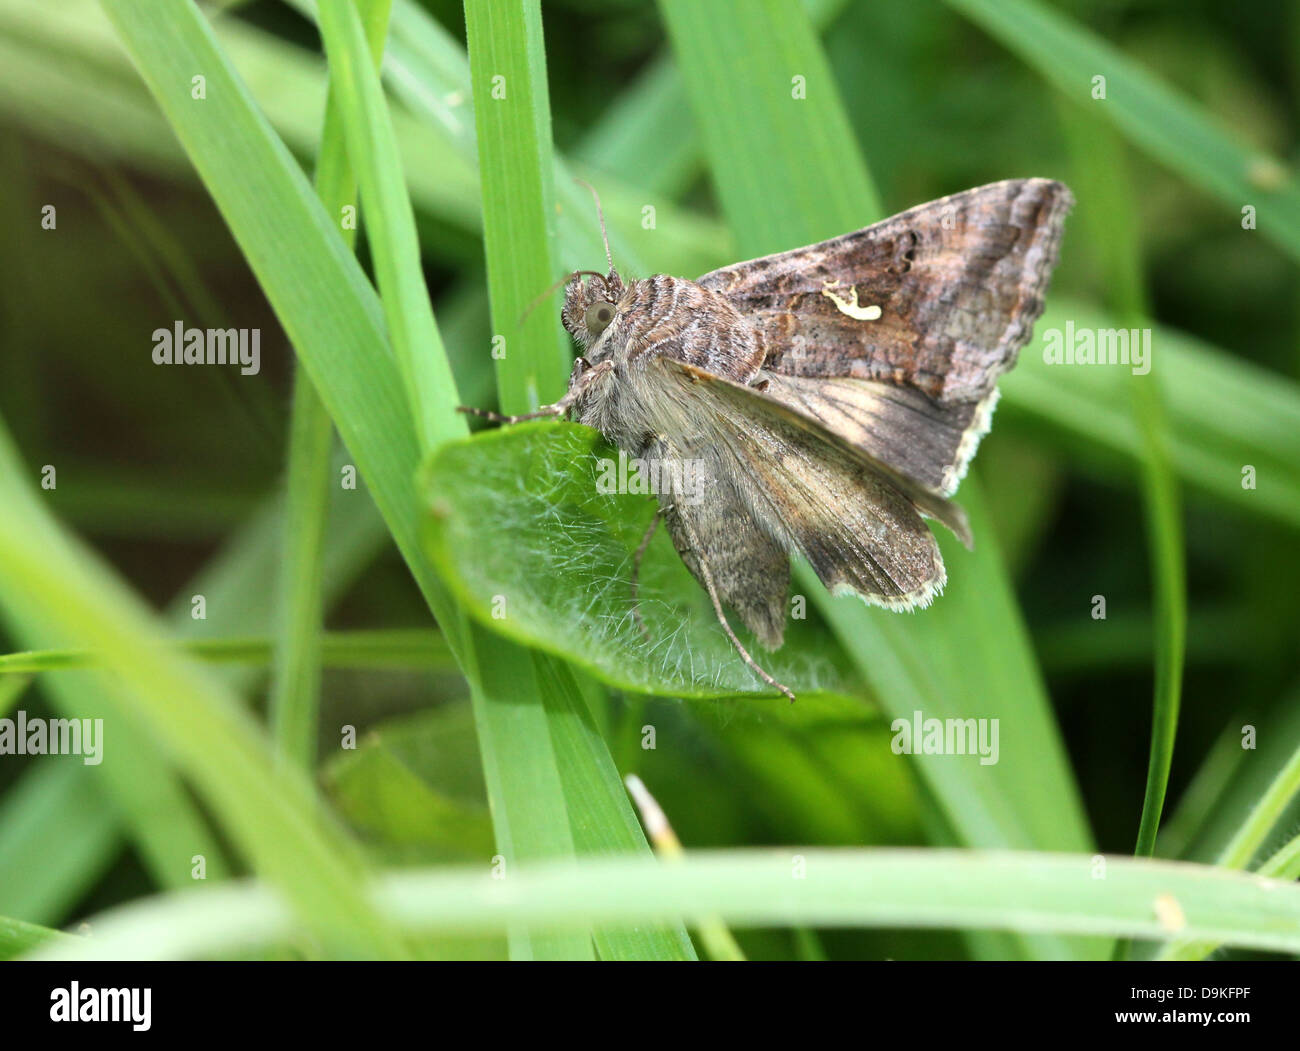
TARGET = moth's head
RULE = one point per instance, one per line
(590, 303)
(591, 298)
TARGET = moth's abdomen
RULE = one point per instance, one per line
(675, 317)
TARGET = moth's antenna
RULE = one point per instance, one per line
(562, 281)
(600, 214)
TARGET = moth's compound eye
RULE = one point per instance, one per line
(598, 317)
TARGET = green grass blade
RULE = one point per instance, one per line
(1007, 890)
(329, 311)
(1150, 114)
(1222, 412)
(529, 813)
(48, 580)
(531, 822)
(58, 835)
(517, 168)
(395, 248)
(603, 822)
(760, 85)
(294, 701)
(1164, 528)
(512, 116)
(18, 937)
(513, 136)
(1107, 216)
(392, 648)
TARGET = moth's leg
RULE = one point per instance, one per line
(707, 576)
(636, 571)
(575, 391)
(496, 417)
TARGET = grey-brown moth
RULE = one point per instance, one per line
(830, 397)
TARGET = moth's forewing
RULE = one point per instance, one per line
(747, 398)
(851, 518)
(958, 284)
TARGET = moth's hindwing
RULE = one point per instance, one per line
(925, 311)
(750, 570)
(928, 442)
(853, 519)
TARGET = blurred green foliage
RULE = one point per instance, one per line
(176, 476)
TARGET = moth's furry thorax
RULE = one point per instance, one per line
(660, 316)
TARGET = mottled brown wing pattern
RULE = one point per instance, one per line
(927, 441)
(936, 301)
(750, 570)
(850, 517)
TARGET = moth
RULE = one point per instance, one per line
(830, 397)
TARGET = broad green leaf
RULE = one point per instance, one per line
(518, 522)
